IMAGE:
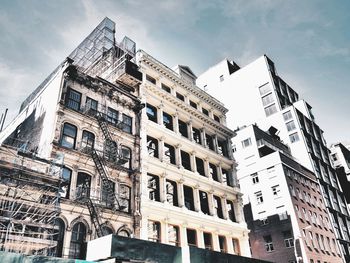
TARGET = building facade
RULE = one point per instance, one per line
(189, 192)
(267, 100)
(284, 207)
(89, 127)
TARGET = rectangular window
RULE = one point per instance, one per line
(73, 99)
(188, 194)
(88, 140)
(222, 147)
(235, 245)
(124, 198)
(210, 141)
(151, 79)
(168, 121)
(265, 89)
(255, 178)
(222, 244)
(154, 231)
(186, 160)
(191, 237)
(270, 110)
(259, 197)
(205, 111)
(213, 171)
(106, 198)
(203, 198)
(196, 135)
(231, 211)
(183, 128)
(174, 235)
(91, 106)
(112, 116)
(171, 192)
(288, 238)
(193, 104)
(151, 113)
(127, 123)
(153, 187)
(218, 207)
(216, 118)
(267, 99)
(294, 137)
(246, 143)
(180, 96)
(200, 166)
(152, 147)
(287, 116)
(169, 154)
(166, 88)
(268, 243)
(276, 191)
(207, 241)
(290, 126)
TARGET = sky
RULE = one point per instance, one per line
(309, 41)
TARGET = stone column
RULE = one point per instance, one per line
(178, 155)
(197, 205)
(180, 193)
(193, 161)
(161, 148)
(73, 182)
(66, 242)
(162, 188)
(206, 167)
(211, 202)
(224, 206)
(200, 239)
(215, 241)
(219, 170)
(215, 142)
(164, 231)
(189, 129)
(203, 139)
(176, 123)
(160, 114)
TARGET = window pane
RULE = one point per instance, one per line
(270, 110)
(267, 99)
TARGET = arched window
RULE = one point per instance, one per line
(83, 185)
(69, 136)
(76, 249)
(123, 233)
(59, 236)
(107, 230)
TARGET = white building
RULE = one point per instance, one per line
(189, 194)
(256, 94)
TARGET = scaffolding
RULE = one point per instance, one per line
(100, 55)
(29, 203)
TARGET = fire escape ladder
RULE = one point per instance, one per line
(93, 210)
(104, 177)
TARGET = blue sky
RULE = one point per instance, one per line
(308, 40)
